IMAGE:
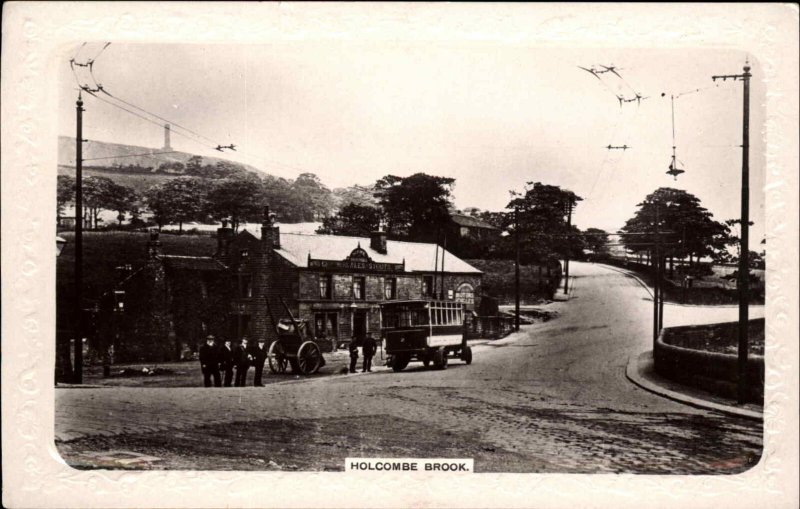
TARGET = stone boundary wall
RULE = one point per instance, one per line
(714, 372)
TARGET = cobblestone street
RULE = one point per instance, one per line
(552, 398)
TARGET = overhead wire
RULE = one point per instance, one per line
(93, 94)
(171, 122)
(192, 135)
(132, 155)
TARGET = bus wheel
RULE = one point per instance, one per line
(399, 362)
(440, 359)
(466, 355)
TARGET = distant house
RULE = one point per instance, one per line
(472, 227)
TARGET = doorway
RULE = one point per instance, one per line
(359, 325)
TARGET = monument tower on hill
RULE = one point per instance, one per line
(166, 137)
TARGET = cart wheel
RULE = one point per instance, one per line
(277, 358)
(440, 359)
(309, 358)
(399, 362)
(466, 356)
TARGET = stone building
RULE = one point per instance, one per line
(335, 283)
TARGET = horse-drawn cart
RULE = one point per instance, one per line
(294, 347)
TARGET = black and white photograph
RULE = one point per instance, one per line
(396, 269)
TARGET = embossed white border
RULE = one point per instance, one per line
(33, 32)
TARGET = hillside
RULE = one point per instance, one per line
(95, 149)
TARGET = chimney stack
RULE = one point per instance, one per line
(270, 234)
(224, 236)
(377, 241)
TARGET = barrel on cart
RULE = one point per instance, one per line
(294, 348)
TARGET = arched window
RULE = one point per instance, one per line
(466, 294)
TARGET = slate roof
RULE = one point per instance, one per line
(471, 222)
(205, 263)
(419, 257)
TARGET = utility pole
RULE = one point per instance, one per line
(744, 267)
(661, 260)
(444, 249)
(656, 285)
(566, 258)
(78, 308)
(516, 269)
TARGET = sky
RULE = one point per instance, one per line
(493, 116)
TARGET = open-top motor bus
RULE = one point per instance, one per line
(430, 331)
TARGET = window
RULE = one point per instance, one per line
(390, 288)
(465, 294)
(450, 295)
(447, 313)
(246, 287)
(325, 287)
(427, 286)
(358, 288)
(325, 325)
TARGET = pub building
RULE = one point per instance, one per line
(335, 284)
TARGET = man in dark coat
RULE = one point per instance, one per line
(368, 348)
(259, 357)
(353, 347)
(226, 362)
(242, 357)
(209, 362)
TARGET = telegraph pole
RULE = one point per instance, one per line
(656, 284)
(78, 308)
(744, 267)
(516, 269)
(566, 258)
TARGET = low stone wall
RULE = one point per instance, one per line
(714, 372)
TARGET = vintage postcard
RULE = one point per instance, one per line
(399, 255)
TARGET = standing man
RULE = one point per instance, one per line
(242, 358)
(226, 362)
(209, 362)
(259, 357)
(353, 347)
(368, 349)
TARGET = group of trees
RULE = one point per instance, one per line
(205, 193)
(99, 193)
(419, 208)
(685, 230)
(240, 198)
(411, 208)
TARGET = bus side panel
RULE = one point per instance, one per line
(447, 340)
(405, 340)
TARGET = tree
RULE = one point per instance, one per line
(686, 229)
(360, 195)
(98, 194)
(123, 199)
(65, 192)
(179, 200)
(311, 192)
(415, 207)
(239, 198)
(596, 240)
(542, 217)
(354, 220)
